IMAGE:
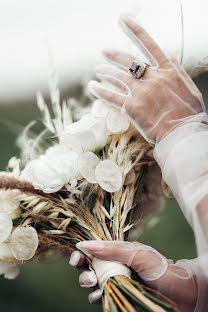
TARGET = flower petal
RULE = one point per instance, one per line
(87, 134)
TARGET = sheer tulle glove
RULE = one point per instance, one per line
(168, 110)
(181, 282)
(164, 98)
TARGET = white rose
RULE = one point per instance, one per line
(50, 172)
(87, 134)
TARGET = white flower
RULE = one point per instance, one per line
(50, 172)
(24, 242)
(87, 134)
(100, 108)
(10, 270)
(9, 203)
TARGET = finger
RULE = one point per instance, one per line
(115, 75)
(98, 90)
(145, 43)
(95, 296)
(185, 76)
(77, 259)
(87, 279)
(147, 262)
(121, 59)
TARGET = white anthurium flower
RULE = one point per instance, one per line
(9, 203)
(108, 176)
(87, 134)
(87, 163)
(6, 226)
(50, 172)
(24, 242)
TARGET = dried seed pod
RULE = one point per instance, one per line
(5, 226)
(108, 176)
(24, 242)
(130, 177)
(116, 122)
(87, 163)
(100, 108)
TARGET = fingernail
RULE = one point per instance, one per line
(93, 86)
(127, 16)
(91, 246)
(74, 258)
(107, 52)
(95, 295)
(87, 279)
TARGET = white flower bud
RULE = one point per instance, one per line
(5, 226)
(108, 176)
(116, 122)
(24, 242)
(87, 163)
(87, 134)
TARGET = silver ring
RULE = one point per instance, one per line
(137, 69)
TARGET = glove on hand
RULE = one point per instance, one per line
(164, 98)
(180, 282)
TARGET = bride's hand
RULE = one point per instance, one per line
(177, 281)
(164, 98)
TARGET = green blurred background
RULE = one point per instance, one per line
(52, 285)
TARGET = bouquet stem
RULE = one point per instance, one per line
(126, 295)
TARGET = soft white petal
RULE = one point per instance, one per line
(52, 171)
(87, 134)
(10, 270)
(100, 108)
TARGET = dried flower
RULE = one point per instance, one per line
(24, 242)
(9, 203)
(87, 163)
(108, 176)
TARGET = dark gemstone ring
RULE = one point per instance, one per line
(137, 69)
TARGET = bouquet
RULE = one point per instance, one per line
(82, 180)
